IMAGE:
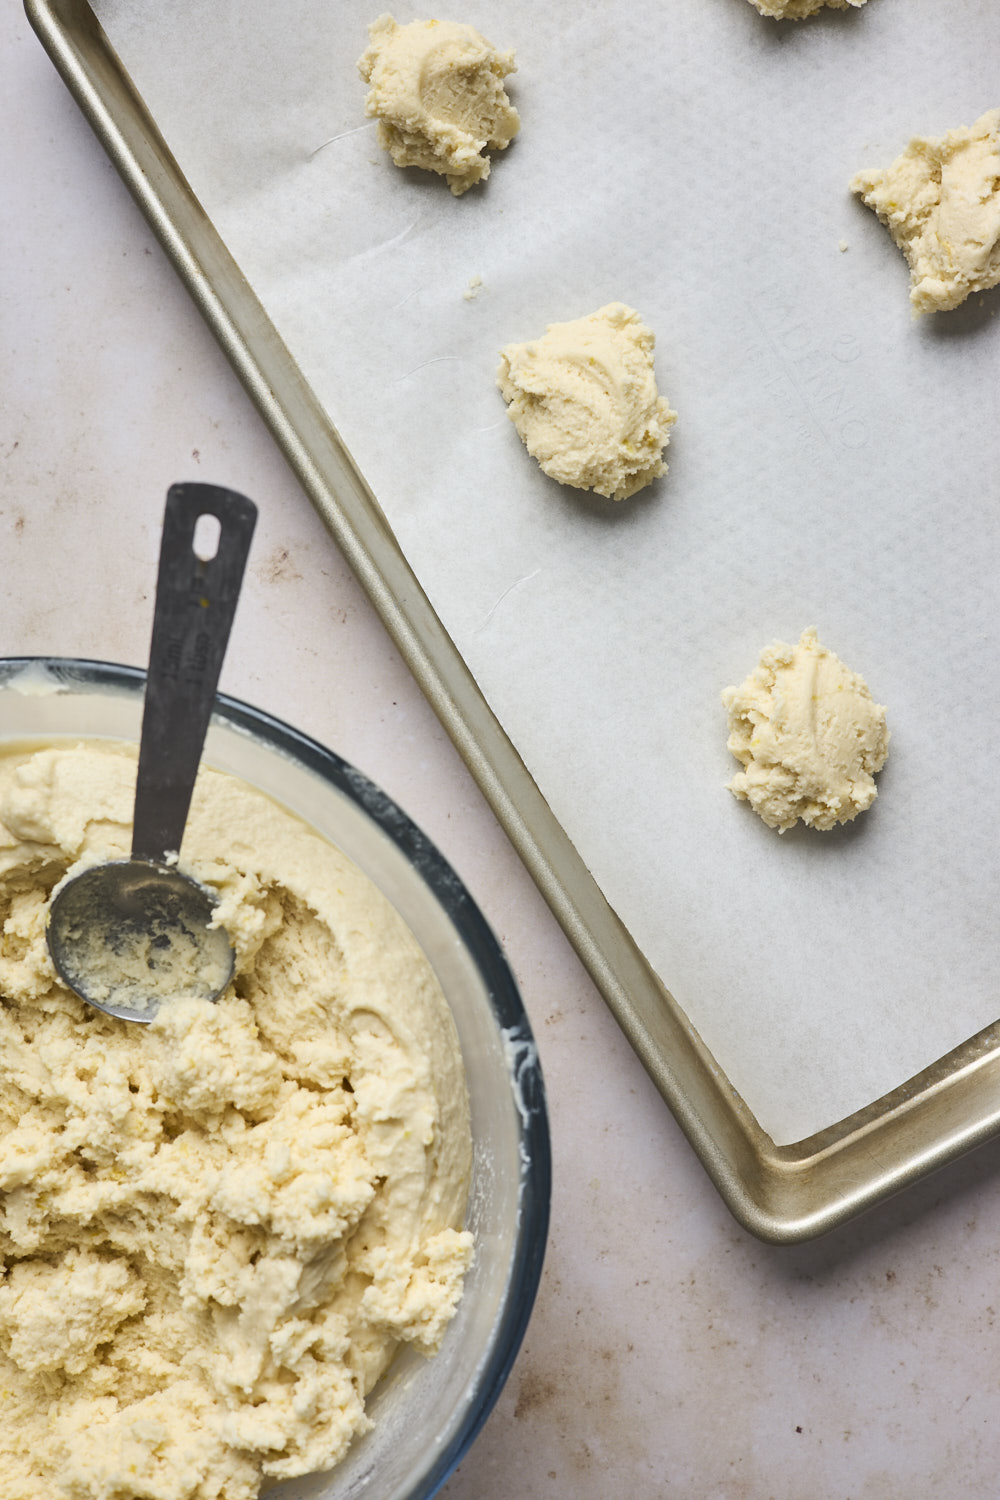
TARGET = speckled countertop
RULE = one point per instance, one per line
(670, 1354)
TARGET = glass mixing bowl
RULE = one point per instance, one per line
(426, 1412)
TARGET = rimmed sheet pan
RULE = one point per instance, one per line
(782, 1193)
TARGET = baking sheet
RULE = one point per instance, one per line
(833, 464)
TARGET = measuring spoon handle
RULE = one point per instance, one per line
(195, 603)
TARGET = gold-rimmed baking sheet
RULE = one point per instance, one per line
(806, 486)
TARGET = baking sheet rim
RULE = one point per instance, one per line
(780, 1194)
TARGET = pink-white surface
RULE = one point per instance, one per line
(670, 1354)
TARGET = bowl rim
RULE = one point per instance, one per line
(527, 1084)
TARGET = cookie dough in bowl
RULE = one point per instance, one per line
(437, 92)
(230, 1239)
(809, 736)
(583, 398)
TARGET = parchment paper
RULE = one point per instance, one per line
(834, 464)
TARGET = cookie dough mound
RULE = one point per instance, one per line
(438, 96)
(584, 400)
(940, 202)
(797, 10)
(809, 736)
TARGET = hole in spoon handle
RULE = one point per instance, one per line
(195, 604)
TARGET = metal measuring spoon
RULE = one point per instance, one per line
(128, 933)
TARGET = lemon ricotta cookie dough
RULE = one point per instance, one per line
(809, 736)
(940, 201)
(215, 1229)
(437, 92)
(583, 398)
(798, 10)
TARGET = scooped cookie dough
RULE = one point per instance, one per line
(809, 736)
(583, 398)
(940, 201)
(797, 10)
(215, 1229)
(437, 91)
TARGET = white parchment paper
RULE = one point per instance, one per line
(834, 463)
